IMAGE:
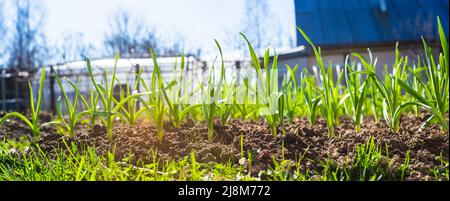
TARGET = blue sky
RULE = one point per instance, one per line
(198, 21)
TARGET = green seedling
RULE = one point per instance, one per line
(35, 110)
(73, 115)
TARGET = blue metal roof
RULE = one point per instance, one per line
(340, 22)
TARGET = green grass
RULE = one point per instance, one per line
(72, 164)
(20, 161)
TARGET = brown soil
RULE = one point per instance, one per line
(300, 139)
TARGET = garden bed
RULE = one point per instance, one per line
(427, 148)
(362, 126)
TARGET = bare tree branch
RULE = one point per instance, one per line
(2, 33)
(128, 35)
(259, 26)
(28, 49)
(72, 47)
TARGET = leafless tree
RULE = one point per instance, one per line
(256, 12)
(2, 33)
(173, 45)
(72, 47)
(28, 48)
(129, 35)
(260, 27)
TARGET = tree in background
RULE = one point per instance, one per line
(72, 47)
(128, 35)
(3, 34)
(172, 45)
(261, 28)
(28, 48)
(256, 17)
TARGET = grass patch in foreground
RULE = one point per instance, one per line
(19, 162)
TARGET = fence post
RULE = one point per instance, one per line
(3, 98)
(237, 64)
(52, 91)
(137, 69)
